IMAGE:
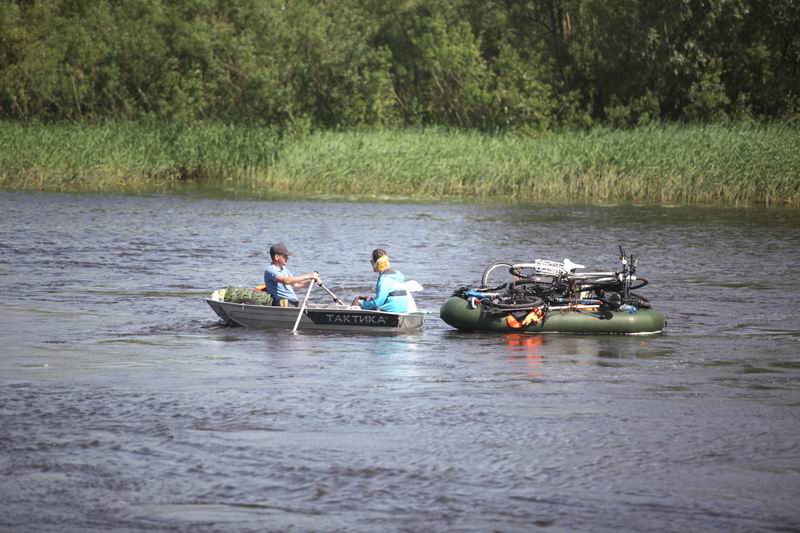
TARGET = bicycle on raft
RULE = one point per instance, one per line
(560, 286)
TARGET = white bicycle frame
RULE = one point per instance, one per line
(553, 268)
(542, 267)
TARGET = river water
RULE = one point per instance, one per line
(126, 405)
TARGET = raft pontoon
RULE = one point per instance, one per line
(548, 296)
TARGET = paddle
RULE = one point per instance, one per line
(335, 298)
(302, 307)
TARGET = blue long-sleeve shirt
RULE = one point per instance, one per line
(389, 281)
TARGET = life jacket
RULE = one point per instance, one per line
(534, 317)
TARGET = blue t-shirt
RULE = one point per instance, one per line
(389, 281)
(276, 289)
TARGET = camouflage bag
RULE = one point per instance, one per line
(240, 295)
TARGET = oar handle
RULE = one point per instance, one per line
(302, 308)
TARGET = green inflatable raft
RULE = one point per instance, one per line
(461, 314)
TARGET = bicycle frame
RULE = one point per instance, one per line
(567, 272)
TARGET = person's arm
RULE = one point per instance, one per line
(298, 281)
(382, 291)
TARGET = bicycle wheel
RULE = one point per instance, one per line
(496, 274)
(537, 286)
(638, 283)
(503, 305)
(605, 285)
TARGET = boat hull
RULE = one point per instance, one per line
(457, 313)
(344, 319)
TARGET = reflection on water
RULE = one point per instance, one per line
(126, 405)
(528, 347)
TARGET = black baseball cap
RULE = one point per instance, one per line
(279, 249)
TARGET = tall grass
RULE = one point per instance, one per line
(735, 164)
(129, 156)
(743, 163)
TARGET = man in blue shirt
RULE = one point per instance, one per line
(390, 289)
(280, 282)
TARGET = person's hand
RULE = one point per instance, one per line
(357, 301)
(315, 276)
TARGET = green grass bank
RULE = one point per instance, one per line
(730, 164)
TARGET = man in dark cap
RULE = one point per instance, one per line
(280, 282)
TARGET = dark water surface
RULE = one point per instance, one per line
(125, 405)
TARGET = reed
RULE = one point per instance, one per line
(723, 164)
(717, 164)
(131, 157)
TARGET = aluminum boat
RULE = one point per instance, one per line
(316, 317)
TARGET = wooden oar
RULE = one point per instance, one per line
(302, 307)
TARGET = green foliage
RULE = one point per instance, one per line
(129, 156)
(526, 65)
(734, 163)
